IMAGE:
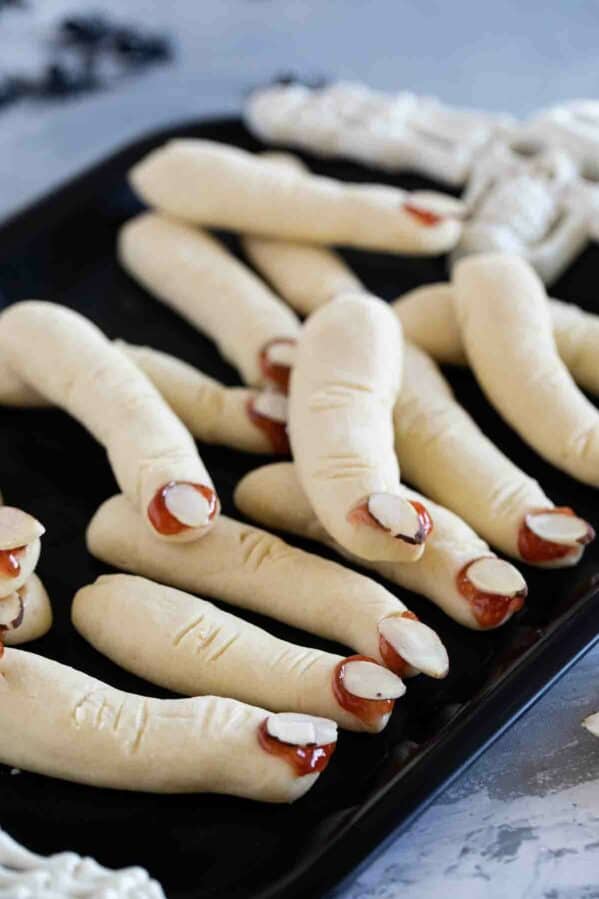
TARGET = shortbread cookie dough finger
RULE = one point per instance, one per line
(192, 272)
(249, 420)
(221, 186)
(458, 571)
(429, 320)
(305, 275)
(446, 455)
(188, 645)
(153, 456)
(344, 384)
(15, 392)
(57, 721)
(252, 569)
(508, 337)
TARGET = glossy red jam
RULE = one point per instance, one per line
(534, 549)
(9, 561)
(391, 657)
(161, 519)
(276, 374)
(276, 431)
(424, 216)
(367, 710)
(311, 759)
(361, 515)
(489, 609)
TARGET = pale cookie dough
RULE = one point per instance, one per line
(153, 456)
(15, 392)
(222, 186)
(252, 569)
(429, 320)
(446, 455)
(66, 875)
(249, 420)
(305, 276)
(458, 571)
(60, 722)
(190, 646)
(193, 273)
(394, 132)
(344, 384)
(508, 337)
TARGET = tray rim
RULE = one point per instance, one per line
(489, 715)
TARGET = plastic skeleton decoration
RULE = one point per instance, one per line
(532, 201)
(573, 127)
(66, 876)
(391, 131)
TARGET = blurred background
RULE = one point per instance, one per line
(524, 820)
(510, 55)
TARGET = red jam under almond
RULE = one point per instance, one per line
(367, 710)
(489, 609)
(389, 654)
(276, 374)
(535, 549)
(424, 216)
(362, 515)
(311, 759)
(18, 621)
(162, 520)
(9, 561)
(276, 431)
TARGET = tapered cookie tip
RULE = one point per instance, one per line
(494, 589)
(408, 646)
(554, 537)
(592, 724)
(276, 361)
(403, 519)
(181, 506)
(268, 411)
(306, 742)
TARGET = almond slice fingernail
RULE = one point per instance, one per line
(369, 680)
(268, 412)
(301, 730)
(272, 404)
(305, 742)
(180, 505)
(592, 724)
(401, 518)
(416, 644)
(492, 575)
(276, 360)
(567, 530)
(18, 528)
(553, 537)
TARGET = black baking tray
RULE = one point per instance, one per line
(63, 249)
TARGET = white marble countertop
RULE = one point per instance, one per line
(523, 822)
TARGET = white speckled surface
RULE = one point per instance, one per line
(523, 823)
